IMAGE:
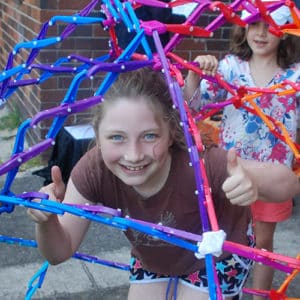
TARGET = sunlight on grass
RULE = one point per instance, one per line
(34, 162)
(12, 120)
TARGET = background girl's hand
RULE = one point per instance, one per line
(208, 64)
(55, 190)
(239, 187)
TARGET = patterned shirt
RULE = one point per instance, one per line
(243, 130)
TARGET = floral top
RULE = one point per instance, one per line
(243, 130)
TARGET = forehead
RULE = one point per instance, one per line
(126, 110)
(131, 103)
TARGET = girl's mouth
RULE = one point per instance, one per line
(260, 43)
(130, 168)
(133, 168)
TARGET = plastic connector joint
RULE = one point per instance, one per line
(212, 243)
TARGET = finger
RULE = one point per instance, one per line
(202, 60)
(233, 165)
(231, 184)
(207, 63)
(47, 189)
(239, 190)
(56, 175)
(199, 60)
(59, 185)
(37, 215)
(215, 65)
(210, 65)
(244, 199)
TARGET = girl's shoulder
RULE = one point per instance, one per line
(295, 66)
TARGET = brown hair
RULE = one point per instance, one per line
(148, 84)
(287, 53)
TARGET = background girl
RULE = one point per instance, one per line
(257, 59)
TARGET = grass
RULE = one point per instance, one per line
(34, 162)
(12, 120)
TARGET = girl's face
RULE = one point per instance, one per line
(260, 40)
(134, 140)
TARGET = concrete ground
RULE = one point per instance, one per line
(76, 279)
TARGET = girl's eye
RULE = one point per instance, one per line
(150, 137)
(116, 137)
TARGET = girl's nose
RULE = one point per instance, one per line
(134, 153)
(262, 28)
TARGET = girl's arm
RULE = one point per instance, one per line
(250, 180)
(58, 237)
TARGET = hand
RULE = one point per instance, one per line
(239, 187)
(55, 190)
(208, 64)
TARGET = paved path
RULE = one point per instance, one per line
(74, 279)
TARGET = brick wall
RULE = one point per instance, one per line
(22, 21)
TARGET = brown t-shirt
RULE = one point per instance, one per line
(175, 205)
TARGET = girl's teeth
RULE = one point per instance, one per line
(134, 168)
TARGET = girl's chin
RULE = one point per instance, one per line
(136, 184)
(133, 181)
(130, 177)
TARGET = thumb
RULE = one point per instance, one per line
(59, 185)
(232, 162)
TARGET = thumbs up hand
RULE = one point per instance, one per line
(55, 190)
(239, 187)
